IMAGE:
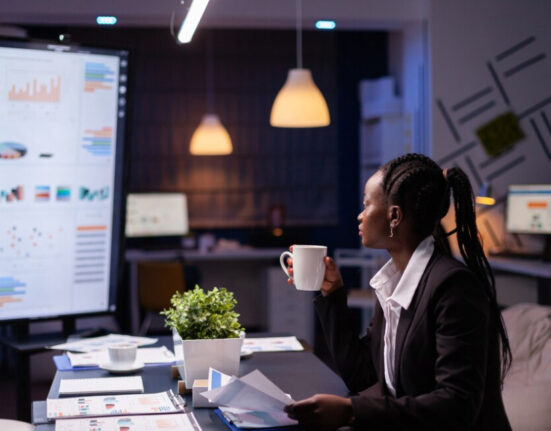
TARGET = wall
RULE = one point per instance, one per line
(488, 58)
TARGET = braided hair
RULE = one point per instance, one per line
(419, 186)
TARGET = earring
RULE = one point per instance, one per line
(391, 231)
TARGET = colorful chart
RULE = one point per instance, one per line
(9, 287)
(42, 193)
(29, 240)
(125, 424)
(98, 142)
(38, 92)
(94, 195)
(12, 195)
(96, 77)
(63, 193)
(12, 150)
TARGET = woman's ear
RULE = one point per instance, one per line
(395, 215)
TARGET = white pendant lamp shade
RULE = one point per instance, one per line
(210, 138)
(299, 103)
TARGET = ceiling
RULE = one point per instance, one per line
(348, 14)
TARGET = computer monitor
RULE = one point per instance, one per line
(529, 209)
(156, 214)
(62, 121)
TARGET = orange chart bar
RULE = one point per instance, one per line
(37, 94)
(104, 132)
(90, 87)
(6, 299)
(541, 205)
(91, 228)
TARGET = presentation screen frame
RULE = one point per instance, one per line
(113, 154)
(528, 209)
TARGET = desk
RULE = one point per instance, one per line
(240, 270)
(531, 268)
(300, 374)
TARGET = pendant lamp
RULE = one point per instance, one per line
(299, 103)
(211, 137)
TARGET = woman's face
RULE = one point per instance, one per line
(374, 222)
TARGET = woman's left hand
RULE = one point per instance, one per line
(321, 412)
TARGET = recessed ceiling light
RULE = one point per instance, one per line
(324, 24)
(106, 20)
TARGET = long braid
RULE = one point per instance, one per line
(418, 185)
(473, 254)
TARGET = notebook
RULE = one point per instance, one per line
(101, 385)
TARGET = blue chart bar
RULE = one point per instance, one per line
(98, 142)
(9, 286)
(98, 72)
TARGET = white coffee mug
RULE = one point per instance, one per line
(122, 353)
(308, 266)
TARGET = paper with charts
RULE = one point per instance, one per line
(178, 422)
(101, 343)
(114, 405)
(251, 401)
(147, 355)
(272, 344)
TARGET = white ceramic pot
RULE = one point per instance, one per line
(194, 357)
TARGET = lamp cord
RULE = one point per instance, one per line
(299, 34)
(210, 75)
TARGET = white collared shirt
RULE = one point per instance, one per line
(395, 291)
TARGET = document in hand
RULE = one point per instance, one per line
(251, 401)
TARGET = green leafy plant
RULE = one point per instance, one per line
(197, 314)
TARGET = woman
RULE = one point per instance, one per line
(436, 350)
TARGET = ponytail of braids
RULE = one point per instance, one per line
(472, 253)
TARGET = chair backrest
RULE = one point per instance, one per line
(157, 282)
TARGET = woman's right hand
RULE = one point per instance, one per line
(332, 279)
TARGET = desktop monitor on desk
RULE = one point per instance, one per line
(156, 214)
(529, 209)
(529, 212)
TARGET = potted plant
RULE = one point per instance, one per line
(206, 332)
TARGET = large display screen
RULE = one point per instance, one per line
(529, 209)
(62, 114)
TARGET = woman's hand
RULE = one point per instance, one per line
(321, 412)
(332, 280)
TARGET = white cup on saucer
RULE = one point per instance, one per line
(122, 358)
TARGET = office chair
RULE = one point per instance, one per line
(157, 282)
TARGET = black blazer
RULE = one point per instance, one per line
(447, 370)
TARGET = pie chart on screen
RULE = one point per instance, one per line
(12, 150)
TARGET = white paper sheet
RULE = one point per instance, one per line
(147, 355)
(101, 385)
(101, 343)
(173, 422)
(271, 344)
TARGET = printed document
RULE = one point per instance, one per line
(178, 422)
(101, 343)
(147, 355)
(114, 405)
(272, 344)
